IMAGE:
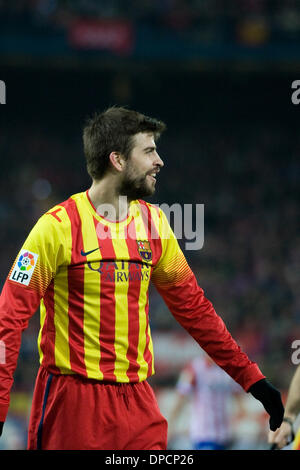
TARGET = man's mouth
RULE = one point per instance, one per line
(153, 175)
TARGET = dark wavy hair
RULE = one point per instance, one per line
(112, 131)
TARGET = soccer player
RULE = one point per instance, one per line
(285, 434)
(88, 262)
(211, 391)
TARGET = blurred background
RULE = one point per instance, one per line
(219, 73)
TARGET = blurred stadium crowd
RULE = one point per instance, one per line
(246, 21)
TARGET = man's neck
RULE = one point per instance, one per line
(107, 201)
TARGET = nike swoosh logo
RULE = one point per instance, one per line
(85, 253)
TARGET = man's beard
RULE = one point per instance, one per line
(135, 187)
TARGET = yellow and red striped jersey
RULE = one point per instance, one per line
(296, 442)
(91, 278)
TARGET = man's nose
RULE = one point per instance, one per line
(159, 161)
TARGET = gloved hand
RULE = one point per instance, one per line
(270, 397)
(1, 427)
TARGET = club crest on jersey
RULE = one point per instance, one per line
(24, 267)
(144, 249)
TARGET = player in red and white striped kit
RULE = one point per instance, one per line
(211, 391)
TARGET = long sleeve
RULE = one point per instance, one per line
(23, 289)
(178, 286)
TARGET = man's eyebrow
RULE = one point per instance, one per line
(152, 147)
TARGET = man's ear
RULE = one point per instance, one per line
(117, 160)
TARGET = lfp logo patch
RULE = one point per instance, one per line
(24, 267)
(144, 249)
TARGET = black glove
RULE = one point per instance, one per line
(271, 399)
(1, 427)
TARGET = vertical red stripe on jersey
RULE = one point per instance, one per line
(47, 344)
(76, 292)
(107, 303)
(135, 271)
(152, 231)
(147, 353)
(156, 248)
